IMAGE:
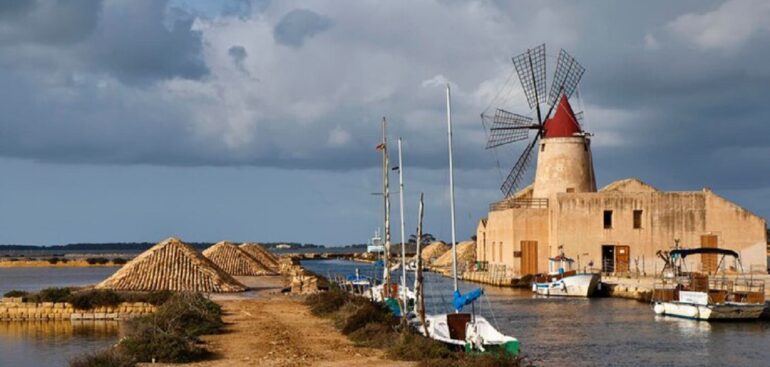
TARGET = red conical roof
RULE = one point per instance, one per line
(563, 123)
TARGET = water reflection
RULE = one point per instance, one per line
(598, 331)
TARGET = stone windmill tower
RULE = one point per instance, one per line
(564, 162)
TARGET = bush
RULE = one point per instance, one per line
(90, 299)
(411, 346)
(171, 334)
(15, 293)
(52, 295)
(105, 358)
(374, 335)
(53, 260)
(325, 303)
(97, 260)
(355, 315)
(119, 261)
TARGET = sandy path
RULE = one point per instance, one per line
(278, 330)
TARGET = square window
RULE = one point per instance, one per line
(607, 219)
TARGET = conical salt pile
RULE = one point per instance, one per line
(262, 255)
(434, 251)
(175, 266)
(466, 253)
(234, 260)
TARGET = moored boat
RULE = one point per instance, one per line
(563, 280)
(703, 297)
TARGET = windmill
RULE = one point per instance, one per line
(508, 127)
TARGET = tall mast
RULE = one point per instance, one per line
(401, 209)
(386, 198)
(451, 183)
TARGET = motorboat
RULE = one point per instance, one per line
(701, 296)
(563, 280)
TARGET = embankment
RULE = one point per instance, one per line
(14, 310)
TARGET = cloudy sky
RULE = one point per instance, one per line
(135, 120)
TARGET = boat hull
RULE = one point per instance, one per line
(481, 337)
(727, 311)
(578, 285)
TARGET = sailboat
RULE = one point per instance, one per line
(468, 330)
(380, 293)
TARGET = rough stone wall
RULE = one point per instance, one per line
(563, 163)
(576, 221)
(504, 232)
(26, 311)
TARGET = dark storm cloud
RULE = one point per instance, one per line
(144, 82)
(298, 25)
(134, 43)
(47, 22)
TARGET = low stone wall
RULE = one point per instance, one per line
(486, 277)
(15, 310)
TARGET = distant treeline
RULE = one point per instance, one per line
(141, 246)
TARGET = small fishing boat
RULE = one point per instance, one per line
(702, 297)
(563, 280)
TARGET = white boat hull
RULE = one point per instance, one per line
(375, 294)
(727, 311)
(480, 334)
(578, 285)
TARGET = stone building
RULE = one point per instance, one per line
(618, 228)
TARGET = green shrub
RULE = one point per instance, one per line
(15, 293)
(105, 358)
(93, 298)
(414, 347)
(119, 261)
(355, 315)
(171, 333)
(97, 260)
(325, 303)
(374, 335)
(53, 260)
(155, 298)
(52, 295)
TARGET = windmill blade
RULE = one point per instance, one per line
(579, 118)
(530, 66)
(513, 181)
(565, 78)
(507, 127)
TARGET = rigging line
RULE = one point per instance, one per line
(494, 150)
(500, 90)
(492, 312)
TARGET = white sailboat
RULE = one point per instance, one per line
(473, 332)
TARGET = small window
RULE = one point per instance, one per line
(607, 219)
(637, 219)
(542, 147)
(570, 189)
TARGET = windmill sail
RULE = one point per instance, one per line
(513, 181)
(531, 69)
(565, 78)
(508, 127)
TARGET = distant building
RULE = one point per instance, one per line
(617, 229)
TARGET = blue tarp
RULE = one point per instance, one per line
(379, 263)
(459, 301)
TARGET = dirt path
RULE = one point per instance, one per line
(278, 330)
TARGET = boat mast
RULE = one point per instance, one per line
(451, 183)
(418, 287)
(401, 209)
(386, 198)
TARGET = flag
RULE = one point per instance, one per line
(380, 146)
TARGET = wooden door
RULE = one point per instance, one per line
(528, 257)
(708, 261)
(622, 259)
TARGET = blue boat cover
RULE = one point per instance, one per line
(379, 263)
(459, 301)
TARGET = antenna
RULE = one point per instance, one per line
(508, 127)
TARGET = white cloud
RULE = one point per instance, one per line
(729, 26)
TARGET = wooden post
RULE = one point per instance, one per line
(418, 288)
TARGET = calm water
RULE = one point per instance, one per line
(51, 343)
(596, 332)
